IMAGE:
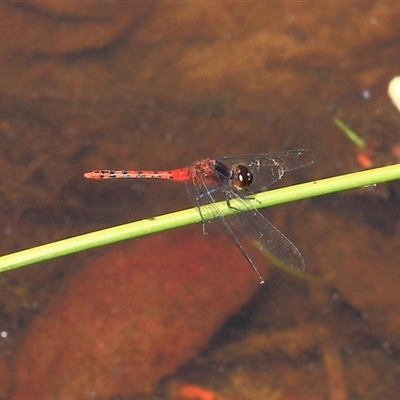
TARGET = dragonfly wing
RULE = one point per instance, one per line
(268, 168)
(201, 194)
(267, 238)
(249, 224)
(252, 225)
(288, 160)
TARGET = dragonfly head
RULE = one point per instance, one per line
(241, 177)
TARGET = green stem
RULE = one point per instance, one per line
(190, 216)
(349, 133)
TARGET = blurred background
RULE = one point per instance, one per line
(158, 85)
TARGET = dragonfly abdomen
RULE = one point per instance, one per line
(178, 174)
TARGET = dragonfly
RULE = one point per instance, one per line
(237, 178)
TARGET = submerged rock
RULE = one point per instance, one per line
(132, 316)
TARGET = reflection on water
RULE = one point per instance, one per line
(158, 85)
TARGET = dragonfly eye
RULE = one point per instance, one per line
(242, 177)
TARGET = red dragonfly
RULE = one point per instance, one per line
(235, 177)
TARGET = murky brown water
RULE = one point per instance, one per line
(158, 85)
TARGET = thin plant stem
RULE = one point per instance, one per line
(360, 143)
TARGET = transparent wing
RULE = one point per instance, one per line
(249, 224)
(266, 237)
(268, 168)
(201, 194)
